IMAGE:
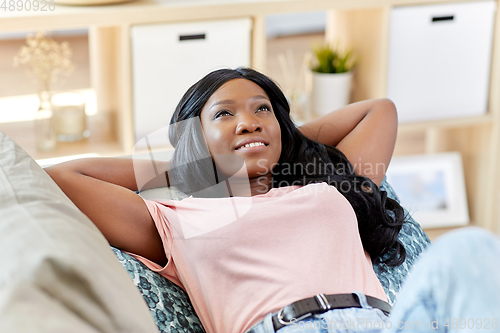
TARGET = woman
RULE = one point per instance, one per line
(314, 222)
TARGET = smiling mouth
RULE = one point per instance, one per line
(253, 144)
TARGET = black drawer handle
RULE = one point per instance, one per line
(442, 18)
(191, 37)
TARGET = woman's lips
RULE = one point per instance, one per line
(251, 141)
(252, 149)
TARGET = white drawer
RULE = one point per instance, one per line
(168, 58)
(439, 60)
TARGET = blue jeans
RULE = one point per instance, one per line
(454, 286)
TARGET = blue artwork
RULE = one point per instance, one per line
(421, 191)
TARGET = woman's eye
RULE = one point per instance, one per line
(264, 108)
(222, 113)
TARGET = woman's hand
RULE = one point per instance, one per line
(102, 188)
(364, 131)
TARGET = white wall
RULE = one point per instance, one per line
(295, 23)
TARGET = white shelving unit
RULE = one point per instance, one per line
(363, 24)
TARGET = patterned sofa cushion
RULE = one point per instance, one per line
(415, 242)
(173, 312)
(169, 305)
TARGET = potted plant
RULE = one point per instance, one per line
(332, 76)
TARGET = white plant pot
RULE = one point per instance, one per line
(330, 91)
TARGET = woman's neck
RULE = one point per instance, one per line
(261, 184)
(258, 185)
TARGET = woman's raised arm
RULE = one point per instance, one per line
(364, 131)
(102, 188)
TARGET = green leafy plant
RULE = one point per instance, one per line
(328, 59)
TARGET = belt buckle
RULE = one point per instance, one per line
(320, 299)
(291, 321)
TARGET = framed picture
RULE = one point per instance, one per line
(431, 187)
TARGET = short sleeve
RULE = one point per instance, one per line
(165, 231)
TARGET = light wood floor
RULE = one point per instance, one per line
(286, 64)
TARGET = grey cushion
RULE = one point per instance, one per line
(173, 312)
(58, 273)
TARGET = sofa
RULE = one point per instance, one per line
(59, 274)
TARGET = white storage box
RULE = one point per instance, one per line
(168, 58)
(439, 60)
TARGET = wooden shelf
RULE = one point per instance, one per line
(364, 25)
(101, 141)
(156, 11)
(446, 123)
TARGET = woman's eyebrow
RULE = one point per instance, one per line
(257, 97)
(230, 101)
(223, 101)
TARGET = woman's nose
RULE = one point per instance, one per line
(248, 124)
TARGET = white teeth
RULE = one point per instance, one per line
(253, 144)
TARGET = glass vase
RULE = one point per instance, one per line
(45, 135)
(70, 122)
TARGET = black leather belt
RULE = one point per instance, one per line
(321, 303)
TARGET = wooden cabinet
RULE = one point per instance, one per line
(363, 24)
(477, 138)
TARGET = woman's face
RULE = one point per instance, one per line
(238, 120)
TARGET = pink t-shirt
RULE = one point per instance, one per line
(240, 258)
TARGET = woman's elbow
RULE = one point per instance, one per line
(59, 174)
(52, 171)
(389, 108)
(56, 173)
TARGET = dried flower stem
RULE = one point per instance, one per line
(45, 59)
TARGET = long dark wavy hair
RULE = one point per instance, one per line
(192, 169)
